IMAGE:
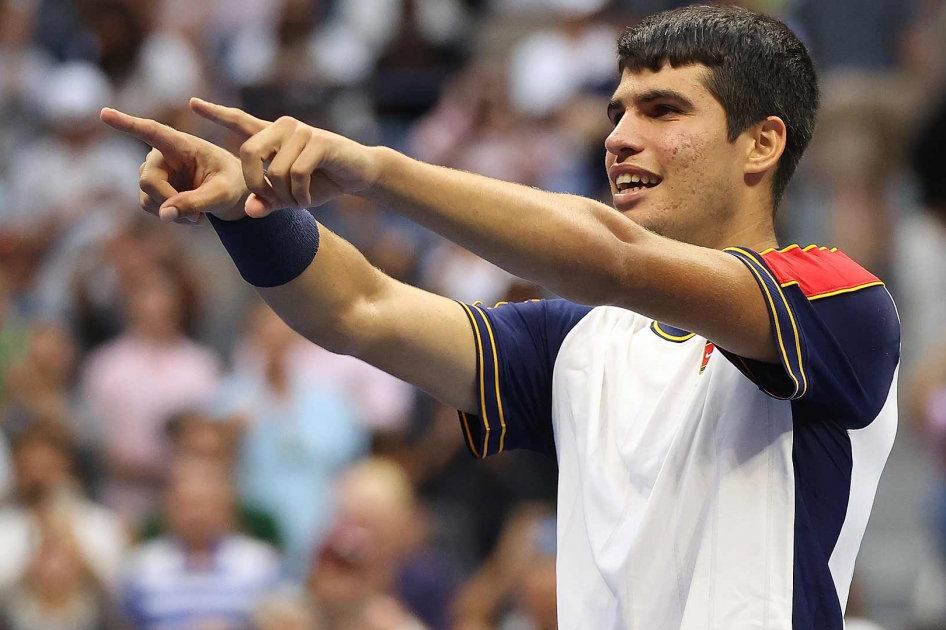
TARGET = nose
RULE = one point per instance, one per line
(625, 139)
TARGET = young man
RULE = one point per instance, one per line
(720, 420)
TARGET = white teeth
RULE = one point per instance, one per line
(627, 179)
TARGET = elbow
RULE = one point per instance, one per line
(339, 335)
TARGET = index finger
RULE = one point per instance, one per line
(160, 137)
(234, 119)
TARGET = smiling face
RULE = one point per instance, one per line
(671, 165)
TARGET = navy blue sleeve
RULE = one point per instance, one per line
(836, 329)
(516, 347)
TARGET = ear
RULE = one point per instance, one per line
(766, 143)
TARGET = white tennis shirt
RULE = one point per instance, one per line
(699, 490)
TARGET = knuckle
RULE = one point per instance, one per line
(276, 172)
(298, 173)
(248, 150)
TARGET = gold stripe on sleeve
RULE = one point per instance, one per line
(775, 318)
(499, 400)
(877, 283)
(791, 318)
(469, 436)
(479, 347)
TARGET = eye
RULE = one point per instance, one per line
(614, 115)
(662, 110)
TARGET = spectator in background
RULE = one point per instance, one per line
(377, 400)
(460, 274)
(58, 591)
(920, 269)
(926, 402)
(550, 67)
(107, 273)
(515, 588)
(352, 578)
(873, 84)
(41, 383)
(133, 384)
(203, 574)
(23, 69)
(285, 610)
(418, 49)
(95, 175)
(194, 434)
(299, 431)
(51, 527)
(305, 63)
(14, 332)
(153, 71)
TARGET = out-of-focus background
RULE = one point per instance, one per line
(173, 456)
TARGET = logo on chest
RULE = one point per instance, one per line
(707, 353)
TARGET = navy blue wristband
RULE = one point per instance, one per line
(271, 251)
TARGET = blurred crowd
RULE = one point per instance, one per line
(173, 456)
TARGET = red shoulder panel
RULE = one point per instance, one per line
(818, 271)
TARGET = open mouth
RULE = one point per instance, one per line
(628, 182)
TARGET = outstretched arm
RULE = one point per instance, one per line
(581, 249)
(338, 300)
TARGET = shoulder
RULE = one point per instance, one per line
(825, 282)
(818, 272)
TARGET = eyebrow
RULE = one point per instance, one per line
(650, 96)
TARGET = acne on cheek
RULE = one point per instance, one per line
(679, 146)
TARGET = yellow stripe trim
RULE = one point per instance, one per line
(479, 347)
(469, 436)
(499, 400)
(666, 335)
(775, 318)
(878, 283)
(791, 318)
(793, 246)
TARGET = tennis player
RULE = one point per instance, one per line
(720, 408)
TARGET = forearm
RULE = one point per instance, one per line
(321, 295)
(327, 291)
(324, 302)
(566, 243)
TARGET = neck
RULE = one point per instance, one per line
(757, 234)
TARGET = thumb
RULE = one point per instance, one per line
(193, 203)
(256, 207)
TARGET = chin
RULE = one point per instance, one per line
(648, 217)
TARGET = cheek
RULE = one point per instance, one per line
(692, 164)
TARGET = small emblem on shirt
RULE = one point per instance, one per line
(707, 352)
